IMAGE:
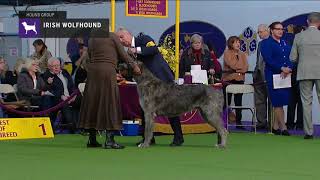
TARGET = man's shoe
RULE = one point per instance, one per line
(176, 143)
(276, 132)
(285, 133)
(308, 136)
(113, 145)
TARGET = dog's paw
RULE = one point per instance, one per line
(143, 145)
(220, 146)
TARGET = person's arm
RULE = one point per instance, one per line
(294, 56)
(149, 48)
(232, 62)
(266, 52)
(245, 66)
(124, 55)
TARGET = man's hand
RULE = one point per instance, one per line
(42, 93)
(50, 80)
(72, 100)
(64, 97)
(212, 71)
(132, 50)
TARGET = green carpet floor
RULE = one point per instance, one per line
(248, 157)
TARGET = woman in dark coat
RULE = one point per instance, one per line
(100, 106)
(31, 86)
(196, 55)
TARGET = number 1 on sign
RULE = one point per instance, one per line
(43, 129)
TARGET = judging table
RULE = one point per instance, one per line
(191, 122)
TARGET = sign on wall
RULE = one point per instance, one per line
(147, 8)
(248, 41)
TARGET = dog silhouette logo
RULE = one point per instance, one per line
(29, 27)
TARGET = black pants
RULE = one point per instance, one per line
(295, 101)
(175, 125)
(237, 100)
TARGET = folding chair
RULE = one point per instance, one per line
(242, 89)
(8, 89)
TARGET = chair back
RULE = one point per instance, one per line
(239, 88)
(6, 89)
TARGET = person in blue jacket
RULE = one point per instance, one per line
(275, 52)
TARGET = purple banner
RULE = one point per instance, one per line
(147, 8)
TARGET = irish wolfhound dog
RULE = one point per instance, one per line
(158, 98)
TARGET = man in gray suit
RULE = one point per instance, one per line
(260, 88)
(306, 52)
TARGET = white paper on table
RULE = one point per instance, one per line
(199, 76)
(279, 82)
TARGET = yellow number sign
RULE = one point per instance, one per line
(25, 128)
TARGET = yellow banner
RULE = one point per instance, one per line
(25, 128)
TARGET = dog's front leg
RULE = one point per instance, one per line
(148, 130)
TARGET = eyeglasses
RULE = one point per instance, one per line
(56, 65)
(279, 29)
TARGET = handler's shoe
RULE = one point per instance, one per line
(113, 145)
(177, 143)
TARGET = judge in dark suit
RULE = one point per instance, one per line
(145, 49)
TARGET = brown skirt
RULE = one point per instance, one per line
(100, 106)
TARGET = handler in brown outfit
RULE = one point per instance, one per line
(100, 107)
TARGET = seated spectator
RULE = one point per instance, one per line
(61, 87)
(195, 55)
(41, 54)
(216, 63)
(7, 77)
(31, 87)
(235, 66)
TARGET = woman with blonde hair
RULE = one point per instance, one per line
(31, 86)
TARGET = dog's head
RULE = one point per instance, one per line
(24, 23)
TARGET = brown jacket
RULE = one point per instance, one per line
(235, 65)
(42, 59)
